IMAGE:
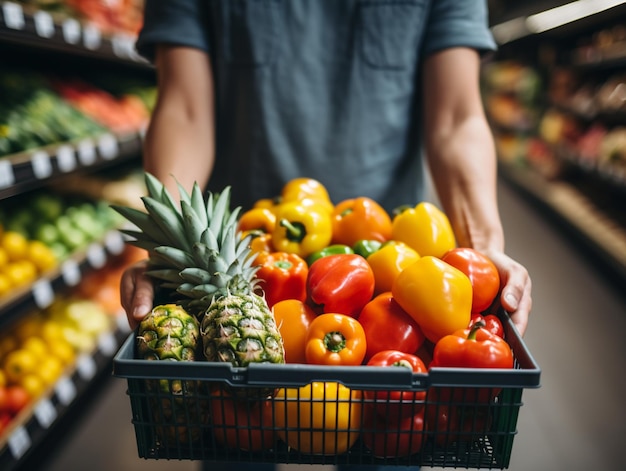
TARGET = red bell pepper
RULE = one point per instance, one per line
(492, 323)
(389, 327)
(389, 438)
(283, 276)
(396, 404)
(340, 283)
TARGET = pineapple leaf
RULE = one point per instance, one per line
(220, 212)
(168, 220)
(197, 203)
(192, 223)
(144, 222)
(176, 257)
(196, 275)
(165, 274)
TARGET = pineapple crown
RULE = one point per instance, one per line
(193, 245)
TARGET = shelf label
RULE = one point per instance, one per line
(96, 255)
(107, 145)
(6, 174)
(42, 167)
(86, 367)
(114, 242)
(66, 159)
(65, 390)
(107, 344)
(19, 442)
(70, 272)
(45, 413)
(86, 152)
(71, 31)
(13, 15)
(43, 293)
(92, 37)
(44, 25)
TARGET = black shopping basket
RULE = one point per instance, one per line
(308, 414)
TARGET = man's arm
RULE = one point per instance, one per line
(462, 160)
(180, 141)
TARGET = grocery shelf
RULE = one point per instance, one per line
(584, 220)
(41, 293)
(30, 169)
(32, 27)
(34, 425)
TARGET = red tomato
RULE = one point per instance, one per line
(492, 323)
(340, 283)
(17, 398)
(4, 398)
(388, 439)
(239, 423)
(395, 404)
(388, 327)
(480, 270)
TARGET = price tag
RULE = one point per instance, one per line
(96, 255)
(114, 242)
(70, 272)
(42, 167)
(19, 442)
(43, 293)
(71, 31)
(6, 174)
(86, 152)
(86, 367)
(66, 159)
(45, 413)
(44, 25)
(13, 15)
(92, 37)
(107, 344)
(65, 390)
(107, 145)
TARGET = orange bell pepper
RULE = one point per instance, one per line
(282, 276)
(436, 294)
(293, 318)
(259, 241)
(321, 418)
(425, 228)
(388, 262)
(335, 339)
(262, 219)
(360, 218)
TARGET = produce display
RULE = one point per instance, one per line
(309, 294)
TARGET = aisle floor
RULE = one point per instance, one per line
(576, 421)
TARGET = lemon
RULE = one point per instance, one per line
(37, 345)
(5, 284)
(21, 273)
(51, 331)
(50, 370)
(63, 351)
(15, 245)
(19, 363)
(34, 385)
(41, 256)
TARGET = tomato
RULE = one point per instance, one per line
(387, 438)
(395, 404)
(17, 398)
(293, 318)
(241, 424)
(481, 271)
(4, 398)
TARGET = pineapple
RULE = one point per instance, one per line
(197, 255)
(169, 333)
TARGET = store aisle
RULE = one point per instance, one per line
(575, 422)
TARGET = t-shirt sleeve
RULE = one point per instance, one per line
(176, 22)
(458, 23)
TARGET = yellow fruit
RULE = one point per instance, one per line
(3, 379)
(4, 257)
(21, 273)
(51, 331)
(41, 256)
(37, 345)
(34, 385)
(19, 363)
(15, 245)
(5, 285)
(63, 351)
(50, 370)
(28, 327)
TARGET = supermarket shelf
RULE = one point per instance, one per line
(573, 209)
(37, 28)
(41, 293)
(35, 424)
(29, 169)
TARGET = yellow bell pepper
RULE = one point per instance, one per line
(388, 262)
(302, 227)
(425, 228)
(436, 295)
(318, 418)
(261, 219)
(302, 188)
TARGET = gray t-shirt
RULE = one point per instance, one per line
(327, 89)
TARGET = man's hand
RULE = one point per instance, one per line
(136, 293)
(516, 292)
